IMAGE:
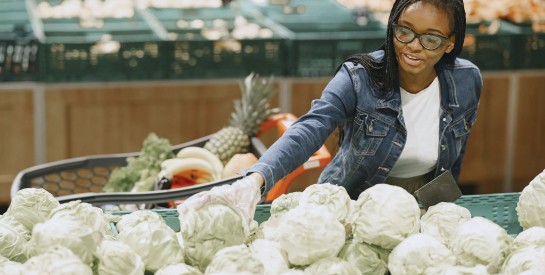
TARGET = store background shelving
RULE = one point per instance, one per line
(294, 38)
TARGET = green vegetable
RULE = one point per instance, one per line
(31, 206)
(147, 165)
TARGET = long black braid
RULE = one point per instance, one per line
(384, 74)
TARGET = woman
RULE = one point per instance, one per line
(406, 110)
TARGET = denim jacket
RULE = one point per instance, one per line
(374, 128)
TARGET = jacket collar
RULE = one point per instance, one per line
(392, 99)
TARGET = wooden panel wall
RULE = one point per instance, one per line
(101, 120)
(16, 136)
(529, 154)
(484, 162)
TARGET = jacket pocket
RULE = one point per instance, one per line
(462, 128)
(369, 135)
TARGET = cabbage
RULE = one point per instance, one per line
(67, 231)
(92, 217)
(284, 202)
(310, 232)
(133, 218)
(156, 243)
(57, 260)
(417, 253)
(273, 258)
(367, 258)
(531, 237)
(293, 271)
(531, 204)
(15, 225)
(457, 270)
(31, 206)
(13, 244)
(269, 229)
(481, 241)
(10, 267)
(442, 219)
(229, 208)
(116, 257)
(385, 216)
(208, 230)
(3, 259)
(334, 197)
(235, 260)
(528, 259)
(331, 265)
(178, 269)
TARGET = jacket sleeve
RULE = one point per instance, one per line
(306, 135)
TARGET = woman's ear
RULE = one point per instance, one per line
(450, 47)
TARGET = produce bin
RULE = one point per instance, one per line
(500, 208)
(318, 42)
(219, 43)
(18, 45)
(120, 49)
(83, 179)
(492, 45)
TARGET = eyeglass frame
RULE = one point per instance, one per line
(418, 35)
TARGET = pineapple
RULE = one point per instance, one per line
(249, 112)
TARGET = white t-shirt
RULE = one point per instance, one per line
(421, 115)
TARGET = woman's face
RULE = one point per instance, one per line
(423, 18)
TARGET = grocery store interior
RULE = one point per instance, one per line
(112, 106)
(84, 78)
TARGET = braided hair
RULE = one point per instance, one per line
(384, 73)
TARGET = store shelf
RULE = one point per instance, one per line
(284, 38)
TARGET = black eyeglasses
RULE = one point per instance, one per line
(429, 41)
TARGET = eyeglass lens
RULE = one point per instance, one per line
(406, 35)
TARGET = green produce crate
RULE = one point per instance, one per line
(18, 56)
(492, 46)
(120, 49)
(18, 45)
(219, 43)
(318, 42)
(500, 208)
(321, 54)
(530, 51)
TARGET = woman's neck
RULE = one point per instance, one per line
(416, 83)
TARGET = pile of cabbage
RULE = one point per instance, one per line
(317, 231)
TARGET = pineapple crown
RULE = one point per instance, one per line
(253, 107)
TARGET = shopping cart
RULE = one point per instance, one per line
(83, 178)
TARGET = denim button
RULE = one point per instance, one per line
(443, 147)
